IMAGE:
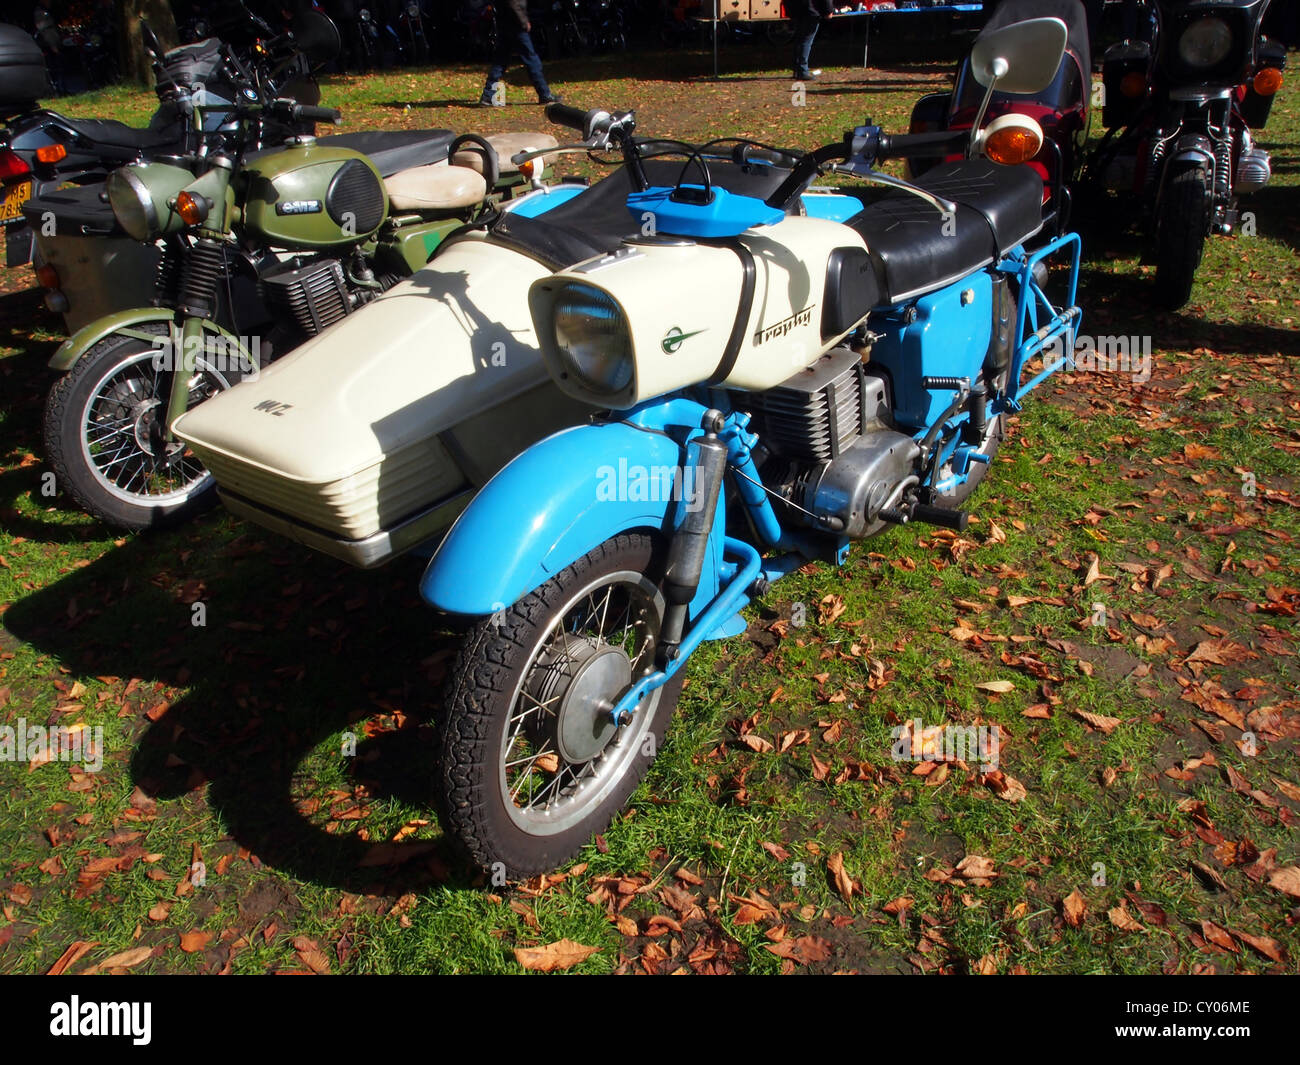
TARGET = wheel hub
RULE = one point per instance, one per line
(585, 679)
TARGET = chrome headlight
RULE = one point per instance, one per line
(1205, 43)
(132, 204)
(592, 335)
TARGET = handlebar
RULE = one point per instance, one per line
(287, 110)
(564, 115)
(897, 145)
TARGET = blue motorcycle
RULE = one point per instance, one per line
(778, 377)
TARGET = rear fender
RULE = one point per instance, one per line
(551, 505)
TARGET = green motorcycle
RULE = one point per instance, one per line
(259, 252)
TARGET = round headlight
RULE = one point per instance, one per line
(132, 204)
(1205, 43)
(592, 335)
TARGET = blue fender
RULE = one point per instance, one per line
(550, 506)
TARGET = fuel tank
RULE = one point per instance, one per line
(371, 437)
(306, 196)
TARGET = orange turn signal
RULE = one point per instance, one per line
(51, 153)
(1012, 145)
(1133, 85)
(531, 168)
(1267, 81)
(192, 208)
(47, 276)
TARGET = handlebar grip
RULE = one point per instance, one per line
(935, 143)
(309, 113)
(564, 115)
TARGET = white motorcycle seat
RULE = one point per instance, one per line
(507, 145)
(435, 187)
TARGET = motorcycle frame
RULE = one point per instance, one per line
(500, 551)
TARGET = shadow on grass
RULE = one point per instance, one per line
(295, 650)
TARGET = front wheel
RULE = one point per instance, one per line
(531, 763)
(104, 434)
(1183, 225)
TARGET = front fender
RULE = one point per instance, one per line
(551, 505)
(125, 323)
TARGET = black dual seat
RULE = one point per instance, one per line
(916, 249)
(109, 133)
(912, 246)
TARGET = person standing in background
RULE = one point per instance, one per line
(514, 38)
(808, 20)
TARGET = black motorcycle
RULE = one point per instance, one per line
(1179, 116)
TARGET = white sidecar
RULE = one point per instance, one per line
(372, 437)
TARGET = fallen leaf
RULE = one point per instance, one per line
(1074, 908)
(844, 883)
(194, 941)
(128, 959)
(1000, 686)
(562, 954)
(1286, 879)
(1123, 920)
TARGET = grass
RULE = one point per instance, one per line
(224, 743)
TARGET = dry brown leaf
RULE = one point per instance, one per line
(1286, 879)
(128, 959)
(1123, 920)
(999, 686)
(844, 883)
(1074, 908)
(802, 951)
(1270, 948)
(1099, 721)
(1220, 937)
(976, 869)
(194, 941)
(71, 956)
(562, 954)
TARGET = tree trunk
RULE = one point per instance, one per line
(136, 63)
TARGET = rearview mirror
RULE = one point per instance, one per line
(1020, 58)
(316, 35)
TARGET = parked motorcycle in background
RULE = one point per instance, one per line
(1179, 118)
(42, 151)
(256, 252)
(1061, 109)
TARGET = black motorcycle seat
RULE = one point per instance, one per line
(110, 133)
(393, 150)
(916, 249)
(596, 221)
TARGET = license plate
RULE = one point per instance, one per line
(11, 208)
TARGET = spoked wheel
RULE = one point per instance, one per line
(532, 763)
(105, 438)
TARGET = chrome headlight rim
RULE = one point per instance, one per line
(1207, 32)
(140, 198)
(601, 368)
